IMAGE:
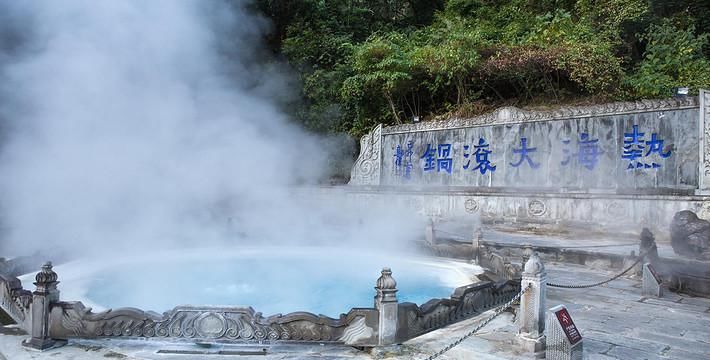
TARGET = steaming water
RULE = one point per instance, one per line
(326, 282)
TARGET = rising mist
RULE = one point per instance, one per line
(141, 124)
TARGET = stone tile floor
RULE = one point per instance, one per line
(616, 321)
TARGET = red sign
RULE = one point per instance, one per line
(568, 327)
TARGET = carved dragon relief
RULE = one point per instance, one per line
(366, 170)
(511, 115)
(72, 319)
(705, 120)
(466, 302)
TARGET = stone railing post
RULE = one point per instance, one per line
(648, 246)
(532, 307)
(476, 244)
(527, 253)
(429, 234)
(387, 307)
(45, 294)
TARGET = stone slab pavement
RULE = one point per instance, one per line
(616, 321)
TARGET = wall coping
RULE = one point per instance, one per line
(514, 115)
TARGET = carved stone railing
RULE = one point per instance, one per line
(466, 302)
(501, 266)
(15, 301)
(225, 324)
(51, 321)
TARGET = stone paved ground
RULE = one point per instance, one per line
(617, 322)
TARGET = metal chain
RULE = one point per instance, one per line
(480, 325)
(520, 294)
(565, 286)
(463, 237)
(458, 236)
(599, 246)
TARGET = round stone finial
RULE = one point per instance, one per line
(386, 281)
(46, 275)
(527, 251)
(534, 264)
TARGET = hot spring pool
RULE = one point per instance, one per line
(271, 280)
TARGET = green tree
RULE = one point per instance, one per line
(450, 56)
(382, 67)
(673, 58)
(363, 62)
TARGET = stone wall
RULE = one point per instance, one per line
(607, 186)
(600, 213)
(582, 153)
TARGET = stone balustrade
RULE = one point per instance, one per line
(50, 321)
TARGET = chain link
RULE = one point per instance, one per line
(567, 286)
(520, 294)
(599, 246)
(455, 235)
(463, 237)
(480, 325)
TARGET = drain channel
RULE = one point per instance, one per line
(207, 352)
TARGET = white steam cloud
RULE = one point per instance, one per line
(131, 124)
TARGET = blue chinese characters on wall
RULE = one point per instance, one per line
(587, 154)
(525, 152)
(403, 160)
(636, 149)
(483, 164)
(441, 157)
(642, 150)
(408, 156)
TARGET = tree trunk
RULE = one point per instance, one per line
(461, 90)
(393, 108)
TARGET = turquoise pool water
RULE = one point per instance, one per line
(270, 284)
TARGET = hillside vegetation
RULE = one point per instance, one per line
(367, 62)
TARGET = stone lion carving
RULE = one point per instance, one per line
(690, 235)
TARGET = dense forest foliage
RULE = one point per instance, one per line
(364, 62)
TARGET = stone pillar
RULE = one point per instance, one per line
(476, 244)
(45, 294)
(387, 307)
(648, 246)
(429, 234)
(527, 253)
(531, 320)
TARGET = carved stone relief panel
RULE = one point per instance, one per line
(705, 138)
(471, 205)
(366, 170)
(537, 207)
